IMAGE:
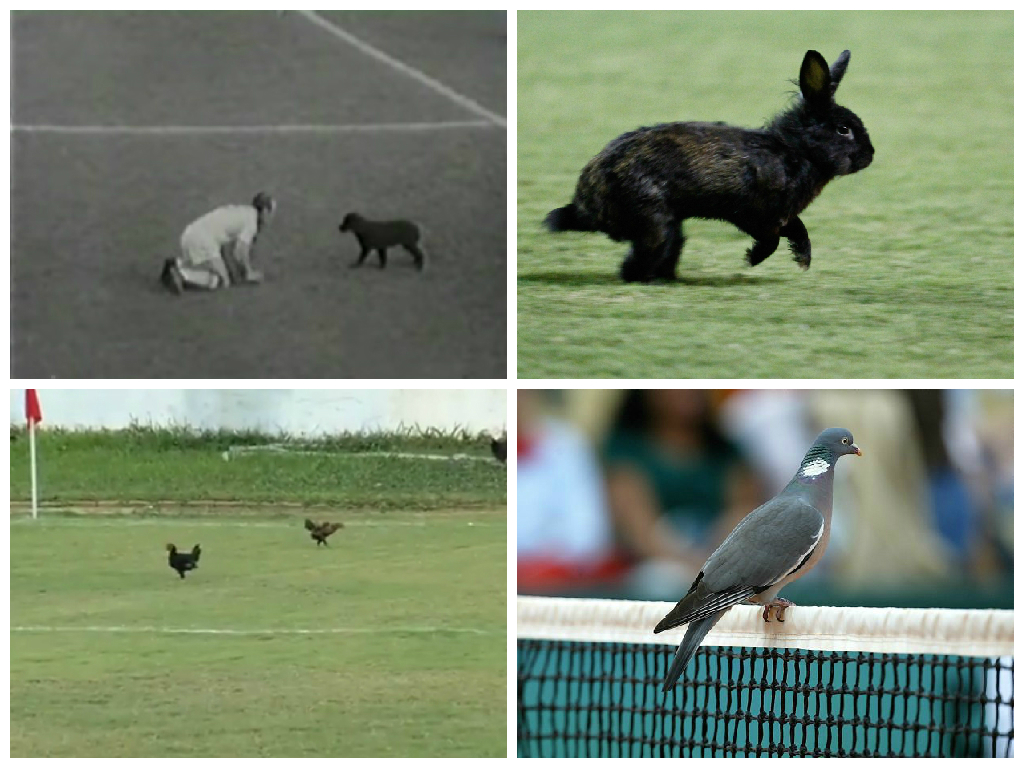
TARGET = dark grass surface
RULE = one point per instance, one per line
(94, 215)
(912, 273)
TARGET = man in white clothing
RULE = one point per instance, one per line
(224, 234)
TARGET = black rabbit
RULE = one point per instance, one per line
(643, 185)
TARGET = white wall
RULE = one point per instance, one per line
(288, 411)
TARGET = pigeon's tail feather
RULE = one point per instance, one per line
(695, 634)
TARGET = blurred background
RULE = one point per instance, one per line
(624, 493)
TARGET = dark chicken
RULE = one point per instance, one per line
(499, 448)
(320, 531)
(183, 561)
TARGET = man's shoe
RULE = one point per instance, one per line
(171, 277)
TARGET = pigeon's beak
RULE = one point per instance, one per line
(856, 449)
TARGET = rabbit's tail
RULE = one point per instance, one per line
(566, 218)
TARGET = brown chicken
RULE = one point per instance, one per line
(320, 531)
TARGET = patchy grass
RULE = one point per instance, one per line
(358, 471)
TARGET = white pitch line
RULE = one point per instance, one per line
(246, 632)
(207, 130)
(282, 450)
(185, 521)
(405, 69)
(188, 522)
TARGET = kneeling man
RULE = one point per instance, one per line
(229, 230)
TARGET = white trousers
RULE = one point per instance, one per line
(201, 263)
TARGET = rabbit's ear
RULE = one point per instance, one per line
(839, 69)
(816, 80)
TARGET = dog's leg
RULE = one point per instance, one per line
(382, 254)
(417, 254)
(362, 256)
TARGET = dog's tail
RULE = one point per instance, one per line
(565, 219)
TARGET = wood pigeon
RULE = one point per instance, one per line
(776, 543)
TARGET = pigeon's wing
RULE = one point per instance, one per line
(310, 525)
(767, 545)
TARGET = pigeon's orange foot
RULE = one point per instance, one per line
(780, 604)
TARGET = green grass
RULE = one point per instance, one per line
(182, 466)
(912, 274)
(418, 668)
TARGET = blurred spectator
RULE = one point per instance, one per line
(563, 534)
(886, 534)
(993, 422)
(955, 515)
(962, 491)
(930, 503)
(773, 429)
(676, 487)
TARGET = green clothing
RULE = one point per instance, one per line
(690, 491)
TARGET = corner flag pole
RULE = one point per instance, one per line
(33, 415)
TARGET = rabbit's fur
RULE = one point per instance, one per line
(643, 185)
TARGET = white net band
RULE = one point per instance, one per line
(986, 633)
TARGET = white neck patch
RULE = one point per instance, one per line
(815, 468)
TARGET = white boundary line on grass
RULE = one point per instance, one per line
(405, 69)
(184, 520)
(281, 449)
(206, 130)
(245, 632)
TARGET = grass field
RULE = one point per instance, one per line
(126, 126)
(913, 257)
(389, 642)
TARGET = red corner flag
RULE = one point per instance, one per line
(33, 414)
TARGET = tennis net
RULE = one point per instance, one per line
(840, 682)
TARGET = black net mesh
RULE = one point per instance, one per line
(581, 699)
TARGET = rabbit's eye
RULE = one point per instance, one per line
(844, 131)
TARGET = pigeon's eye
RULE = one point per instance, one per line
(844, 131)
(846, 441)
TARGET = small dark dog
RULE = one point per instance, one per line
(643, 185)
(380, 235)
